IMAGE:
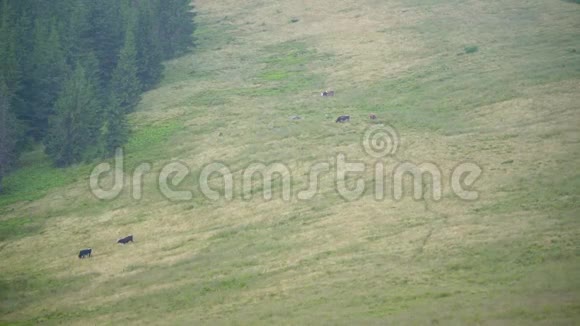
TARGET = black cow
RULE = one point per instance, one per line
(126, 239)
(372, 116)
(343, 118)
(85, 252)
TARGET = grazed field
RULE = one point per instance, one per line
(491, 82)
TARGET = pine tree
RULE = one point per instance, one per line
(73, 128)
(125, 83)
(8, 135)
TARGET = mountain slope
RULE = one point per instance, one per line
(493, 83)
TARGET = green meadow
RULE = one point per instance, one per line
(496, 83)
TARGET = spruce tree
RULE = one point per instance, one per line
(116, 131)
(73, 129)
(90, 66)
(50, 71)
(8, 135)
(149, 52)
(24, 50)
(177, 27)
(125, 83)
(106, 35)
(77, 31)
(9, 66)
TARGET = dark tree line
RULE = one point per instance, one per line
(70, 71)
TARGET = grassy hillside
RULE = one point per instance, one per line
(491, 82)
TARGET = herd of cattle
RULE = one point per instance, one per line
(343, 118)
(87, 252)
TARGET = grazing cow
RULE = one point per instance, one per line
(327, 93)
(126, 239)
(343, 118)
(372, 116)
(85, 252)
